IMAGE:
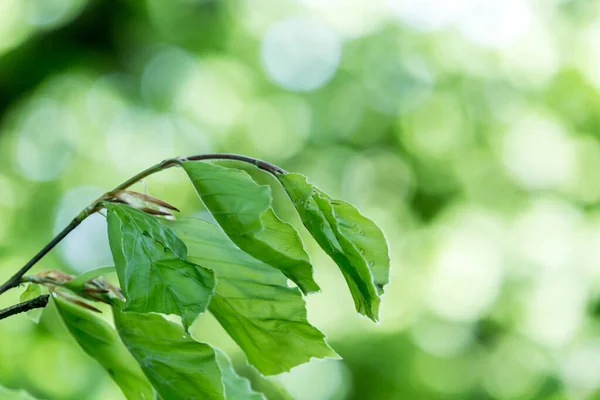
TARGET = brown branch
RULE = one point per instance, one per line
(38, 302)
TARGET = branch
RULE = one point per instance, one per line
(16, 279)
(38, 302)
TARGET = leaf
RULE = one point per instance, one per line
(353, 241)
(243, 209)
(177, 366)
(252, 301)
(31, 292)
(8, 394)
(236, 387)
(99, 340)
(77, 283)
(151, 266)
(91, 285)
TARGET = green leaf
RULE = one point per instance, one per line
(31, 292)
(151, 266)
(77, 283)
(177, 366)
(243, 209)
(98, 339)
(8, 394)
(236, 387)
(353, 241)
(253, 302)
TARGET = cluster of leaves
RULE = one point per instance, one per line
(235, 265)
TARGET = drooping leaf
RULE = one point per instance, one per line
(151, 266)
(253, 302)
(177, 366)
(236, 387)
(243, 209)
(353, 241)
(31, 292)
(8, 394)
(280, 201)
(98, 339)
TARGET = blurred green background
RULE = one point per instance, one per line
(468, 129)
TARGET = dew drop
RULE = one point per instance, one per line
(371, 263)
(362, 251)
(362, 233)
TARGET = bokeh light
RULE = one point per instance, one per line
(300, 54)
(467, 129)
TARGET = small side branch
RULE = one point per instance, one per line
(16, 279)
(38, 302)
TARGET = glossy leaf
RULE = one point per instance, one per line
(353, 241)
(31, 292)
(243, 209)
(253, 302)
(177, 366)
(98, 339)
(236, 387)
(151, 266)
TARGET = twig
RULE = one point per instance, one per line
(38, 302)
(16, 279)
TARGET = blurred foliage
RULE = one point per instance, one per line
(468, 129)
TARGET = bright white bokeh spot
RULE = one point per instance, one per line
(493, 23)
(547, 235)
(85, 248)
(322, 4)
(427, 15)
(555, 309)
(316, 380)
(46, 141)
(300, 54)
(539, 153)
(533, 60)
(351, 19)
(581, 367)
(468, 270)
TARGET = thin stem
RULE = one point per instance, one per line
(273, 169)
(16, 279)
(38, 302)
